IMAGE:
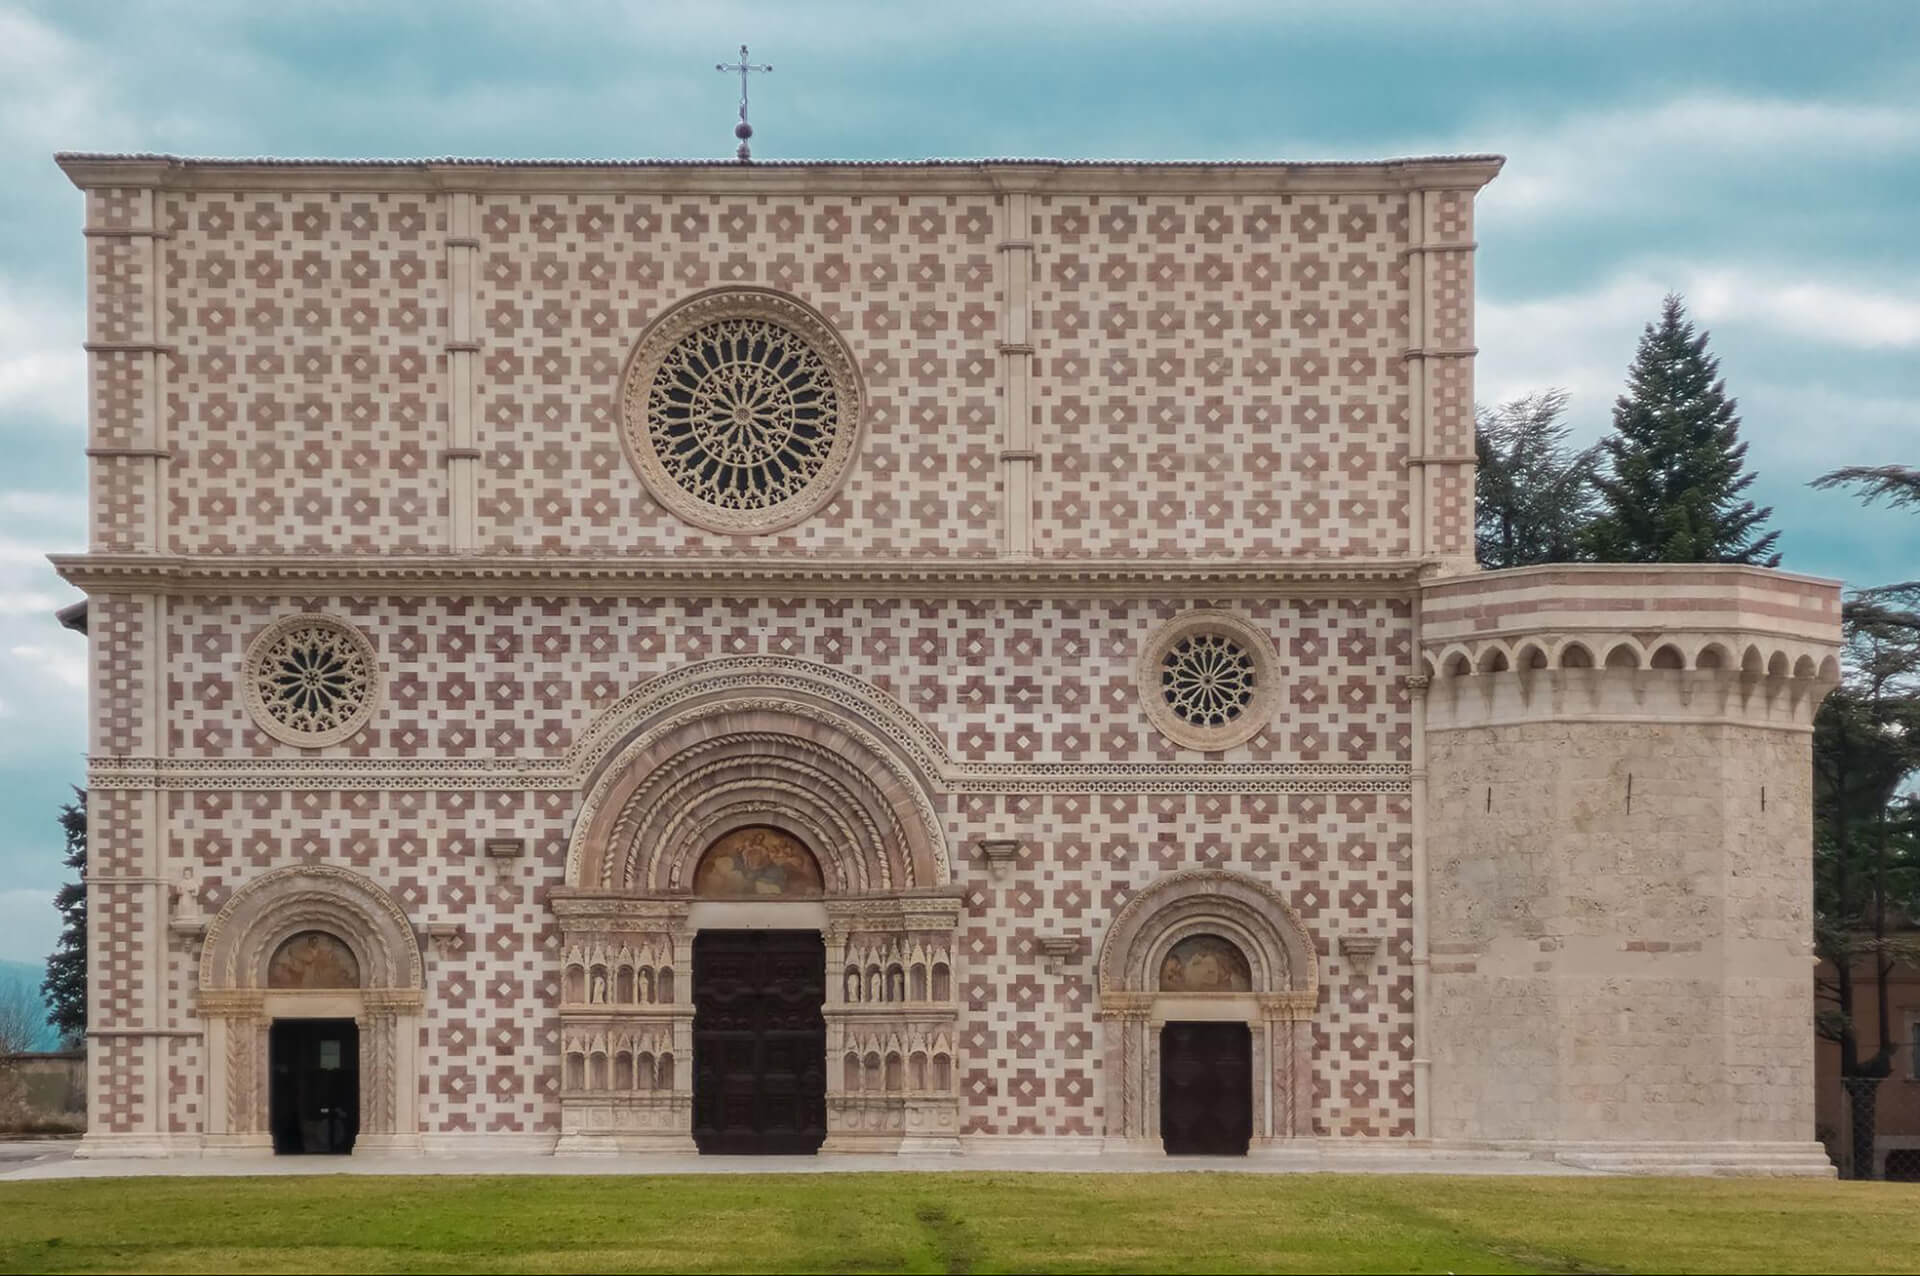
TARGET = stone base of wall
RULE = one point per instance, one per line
(1798, 1160)
(1301, 1155)
(101, 1147)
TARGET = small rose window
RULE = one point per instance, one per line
(311, 680)
(1207, 680)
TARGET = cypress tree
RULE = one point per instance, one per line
(66, 983)
(1671, 490)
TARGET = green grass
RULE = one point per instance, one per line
(957, 1223)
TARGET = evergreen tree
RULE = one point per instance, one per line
(1671, 491)
(66, 982)
(1895, 605)
(1533, 495)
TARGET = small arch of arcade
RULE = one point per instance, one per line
(1208, 946)
(746, 811)
(311, 942)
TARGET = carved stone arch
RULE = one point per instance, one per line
(240, 1007)
(271, 909)
(699, 764)
(1277, 945)
(1285, 974)
(801, 682)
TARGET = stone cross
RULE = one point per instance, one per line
(742, 130)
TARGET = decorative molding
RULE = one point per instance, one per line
(127, 347)
(1211, 655)
(544, 775)
(504, 848)
(666, 336)
(1001, 854)
(1359, 947)
(446, 938)
(769, 178)
(613, 576)
(1057, 950)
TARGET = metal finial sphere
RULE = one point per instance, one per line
(743, 130)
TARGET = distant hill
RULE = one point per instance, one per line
(27, 975)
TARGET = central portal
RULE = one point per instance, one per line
(759, 1042)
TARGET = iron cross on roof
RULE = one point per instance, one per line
(743, 130)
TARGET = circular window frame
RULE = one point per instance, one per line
(696, 312)
(1257, 717)
(263, 718)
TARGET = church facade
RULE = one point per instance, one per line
(614, 657)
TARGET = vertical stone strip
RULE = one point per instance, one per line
(463, 353)
(1422, 1010)
(1443, 351)
(127, 451)
(1417, 539)
(1017, 454)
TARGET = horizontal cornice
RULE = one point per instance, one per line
(992, 176)
(609, 576)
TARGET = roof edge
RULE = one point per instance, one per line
(90, 170)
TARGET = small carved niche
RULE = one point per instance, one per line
(313, 959)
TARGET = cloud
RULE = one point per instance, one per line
(53, 86)
(68, 667)
(1582, 340)
(1586, 163)
(43, 370)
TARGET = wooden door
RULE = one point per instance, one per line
(1206, 1089)
(759, 1041)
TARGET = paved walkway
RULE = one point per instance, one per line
(24, 1161)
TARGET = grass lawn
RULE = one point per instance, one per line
(957, 1223)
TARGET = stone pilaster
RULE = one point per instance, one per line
(1017, 454)
(1440, 375)
(462, 453)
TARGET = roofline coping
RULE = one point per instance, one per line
(171, 172)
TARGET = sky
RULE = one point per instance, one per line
(1761, 158)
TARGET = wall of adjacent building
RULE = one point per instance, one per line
(1620, 932)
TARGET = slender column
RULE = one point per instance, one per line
(462, 453)
(1017, 454)
(1422, 1013)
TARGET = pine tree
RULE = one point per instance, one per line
(1671, 493)
(1533, 495)
(66, 982)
